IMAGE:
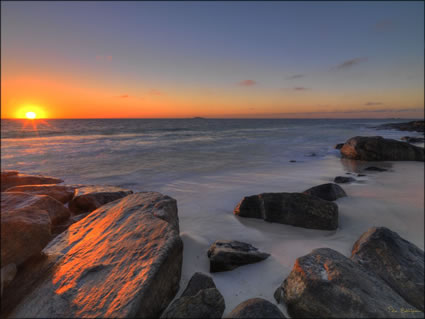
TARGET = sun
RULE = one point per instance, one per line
(30, 115)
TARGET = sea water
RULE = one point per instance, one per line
(209, 165)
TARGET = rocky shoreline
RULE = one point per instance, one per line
(104, 251)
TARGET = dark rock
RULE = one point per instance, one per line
(62, 193)
(198, 282)
(8, 273)
(256, 308)
(227, 255)
(344, 179)
(339, 146)
(24, 233)
(10, 179)
(17, 201)
(377, 148)
(88, 198)
(413, 126)
(294, 209)
(326, 284)
(200, 299)
(329, 191)
(123, 260)
(361, 175)
(411, 139)
(292, 161)
(395, 260)
(375, 169)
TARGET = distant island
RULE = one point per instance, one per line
(198, 118)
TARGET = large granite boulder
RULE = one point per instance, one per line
(395, 260)
(329, 191)
(24, 233)
(377, 148)
(256, 308)
(326, 284)
(413, 126)
(122, 260)
(57, 212)
(62, 193)
(88, 198)
(294, 209)
(13, 178)
(229, 254)
(8, 273)
(201, 299)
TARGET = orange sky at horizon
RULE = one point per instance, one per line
(54, 97)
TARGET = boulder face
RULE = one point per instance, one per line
(122, 260)
(256, 308)
(396, 261)
(227, 255)
(326, 284)
(17, 201)
(13, 178)
(294, 209)
(329, 191)
(377, 148)
(89, 198)
(61, 193)
(201, 299)
(24, 233)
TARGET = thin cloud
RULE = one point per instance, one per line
(123, 96)
(247, 83)
(296, 76)
(155, 92)
(373, 103)
(350, 63)
(301, 88)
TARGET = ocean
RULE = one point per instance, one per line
(209, 165)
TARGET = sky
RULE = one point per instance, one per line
(213, 59)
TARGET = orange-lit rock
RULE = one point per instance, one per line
(88, 198)
(16, 201)
(24, 233)
(122, 260)
(13, 178)
(62, 193)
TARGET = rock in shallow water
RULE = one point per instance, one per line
(329, 191)
(377, 148)
(344, 179)
(411, 139)
(326, 284)
(229, 254)
(122, 260)
(88, 198)
(256, 308)
(294, 209)
(201, 299)
(375, 169)
(395, 260)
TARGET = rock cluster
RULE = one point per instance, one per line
(413, 126)
(383, 279)
(377, 148)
